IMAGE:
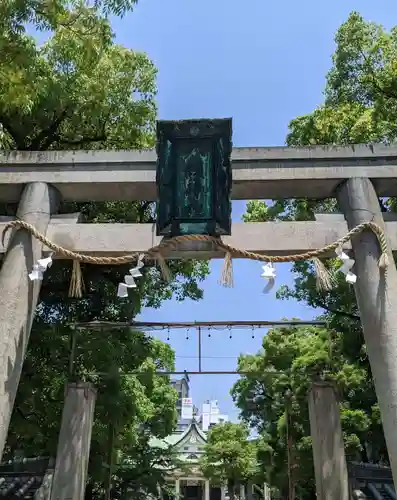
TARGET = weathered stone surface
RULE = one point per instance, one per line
(258, 173)
(19, 295)
(376, 293)
(271, 238)
(55, 219)
(328, 451)
(71, 466)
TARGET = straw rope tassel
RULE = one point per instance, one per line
(76, 286)
(324, 279)
(227, 271)
(383, 261)
(165, 270)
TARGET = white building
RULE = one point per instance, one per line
(211, 415)
(208, 416)
(188, 442)
(182, 388)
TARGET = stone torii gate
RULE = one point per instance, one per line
(355, 175)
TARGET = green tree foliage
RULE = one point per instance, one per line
(273, 401)
(43, 14)
(140, 472)
(360, 107)
(80, 90)
(230, 457)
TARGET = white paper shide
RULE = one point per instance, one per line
(269, 273)
(40, 267)
(347, 265)
(129, 279)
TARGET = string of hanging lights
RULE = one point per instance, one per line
(203, 325)
(197, 327)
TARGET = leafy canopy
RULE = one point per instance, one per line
(272, 399)
(230, 457)
(80, 90)
(43, 14)
(360, 106)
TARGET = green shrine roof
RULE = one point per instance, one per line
(178, 437)
(188, 444)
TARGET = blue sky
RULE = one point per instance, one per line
(263, 63)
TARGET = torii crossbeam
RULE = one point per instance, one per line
(355, 175)
(258, 173)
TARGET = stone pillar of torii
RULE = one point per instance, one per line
(355, 175)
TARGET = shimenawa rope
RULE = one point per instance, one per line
(324, 278)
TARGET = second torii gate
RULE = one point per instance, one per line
(355, 175)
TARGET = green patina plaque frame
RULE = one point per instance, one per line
(194, 177)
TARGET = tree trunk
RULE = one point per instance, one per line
(232, 491)
(89, 492)
(290, 455)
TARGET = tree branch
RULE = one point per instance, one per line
(141, 211)
(84, 140)
(331, 310)
(49, 134)
(377, 87)
(21, 413)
